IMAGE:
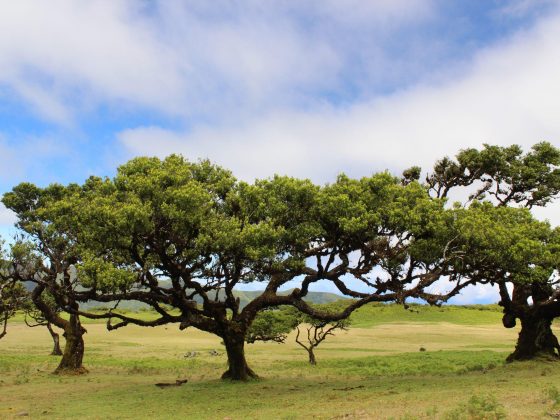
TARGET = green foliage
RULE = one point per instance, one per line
(272, 325)
(500, 240)
(97, 272)
(411, 174)
(509, 176)
(479, 407)
(158, 213)
(13, 297)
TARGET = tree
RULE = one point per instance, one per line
(12, 297)
(273, 325)
(503, 245)
(508, 246)
(45, 257)
(315, 331)
(165, 232)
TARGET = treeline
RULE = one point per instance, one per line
(179, 236)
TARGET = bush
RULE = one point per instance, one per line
(479, 407)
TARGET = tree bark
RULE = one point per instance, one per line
(312, 359)
(71, 362)
(535, 339)
(4, 326)
(56, 341)
(238, 369)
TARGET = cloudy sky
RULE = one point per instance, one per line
(306, 88)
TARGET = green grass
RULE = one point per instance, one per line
(374, 314)
(377, 314)
(368, 372)
(332, 390)
(420, 363)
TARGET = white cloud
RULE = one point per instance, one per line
(10, 165)
(481, 293)
(32, 158)
(520, 8)
(63, 49)
(193, 58)
(7, 217)
(508, 95)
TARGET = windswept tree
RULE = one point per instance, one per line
(45, 258)
(503, 244)
(167, 232)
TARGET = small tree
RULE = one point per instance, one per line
(311, 332)
(273, 325)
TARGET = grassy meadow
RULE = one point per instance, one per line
(374, 370)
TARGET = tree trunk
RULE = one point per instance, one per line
(4, 326)
(71, 362)
(56, 341)
(238, 369)
(312, 359)
(535, 339)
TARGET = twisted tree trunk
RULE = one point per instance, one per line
(312, 359)
(71, 362)
(56, 351)
(535, 339)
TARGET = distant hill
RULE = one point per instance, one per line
(245, 296)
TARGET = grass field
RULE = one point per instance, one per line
(375, 370)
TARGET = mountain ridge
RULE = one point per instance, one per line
(245, 296)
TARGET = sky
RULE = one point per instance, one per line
(304, 88)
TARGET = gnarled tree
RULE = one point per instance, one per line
(45, 259)
(170, 233)
(505, 246)
(508, 246)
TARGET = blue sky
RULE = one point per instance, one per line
(307, 88)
